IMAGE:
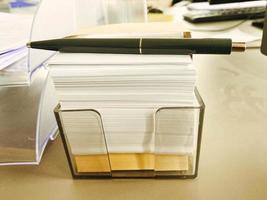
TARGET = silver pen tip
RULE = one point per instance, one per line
(28, 45)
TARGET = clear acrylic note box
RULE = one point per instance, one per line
(171, 150)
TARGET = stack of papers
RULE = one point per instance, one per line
(114, 80)
(13, 51)
(126, 90)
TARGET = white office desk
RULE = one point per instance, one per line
(233, 159)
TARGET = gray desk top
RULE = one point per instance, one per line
(233, 160)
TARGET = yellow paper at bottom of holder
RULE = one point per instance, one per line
(92, 163)
(133, 161)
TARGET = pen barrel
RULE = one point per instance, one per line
(136, 46)
(110, 50)
(84, 45)
(187, 46)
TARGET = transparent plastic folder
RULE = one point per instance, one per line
(27, 121)
(26, 109)
(176, 141)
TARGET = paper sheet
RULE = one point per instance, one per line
(12, 56)
(16, 31)
(13, 38)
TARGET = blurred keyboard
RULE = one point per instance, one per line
(196, 16)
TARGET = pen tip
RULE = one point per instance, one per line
(28, 45)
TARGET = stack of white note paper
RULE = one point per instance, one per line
(116, 80)
(126, 90)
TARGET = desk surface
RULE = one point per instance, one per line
(233, 160)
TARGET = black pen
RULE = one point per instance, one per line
(139, 45)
